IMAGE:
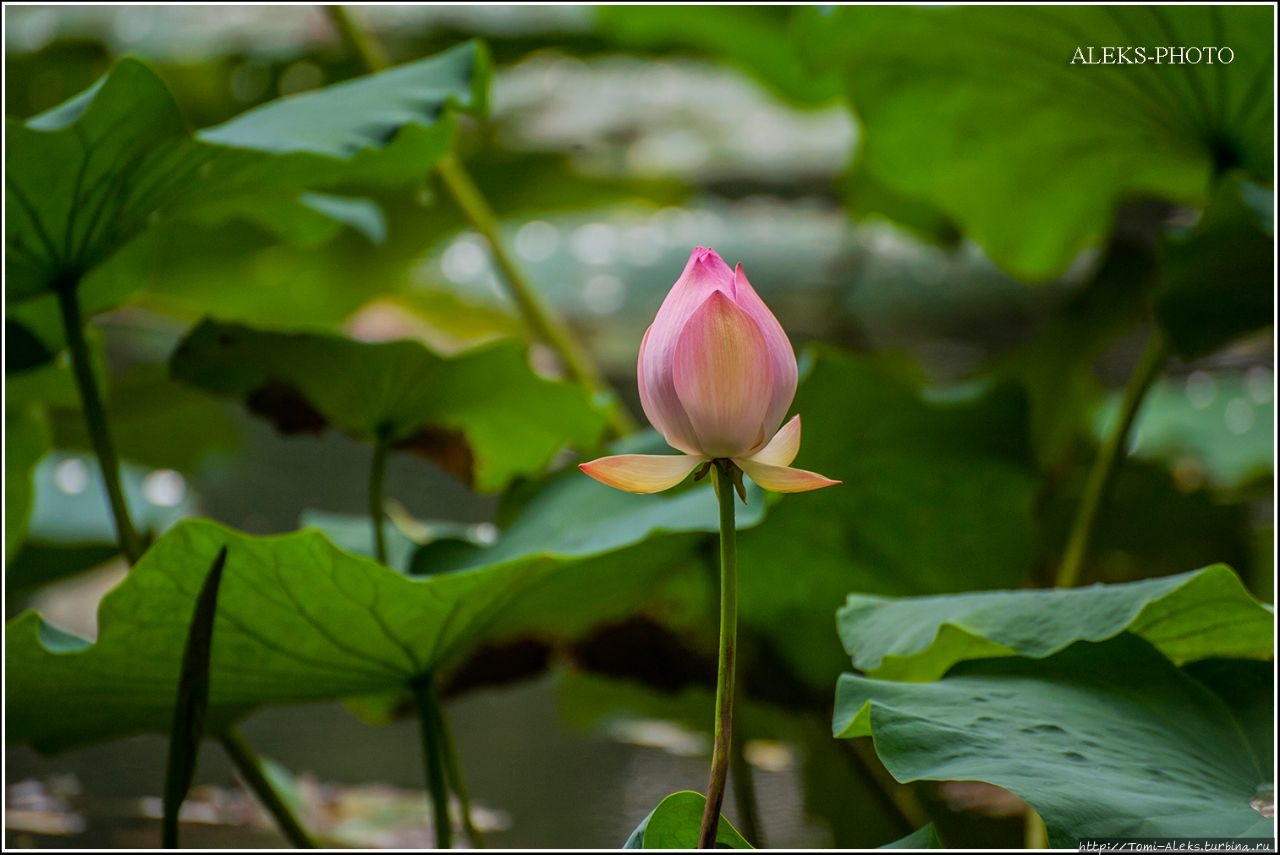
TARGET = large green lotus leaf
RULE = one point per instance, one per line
(662, 577)
(353, 533)
(754, 38)
(982, 114)
(40, 318)
(92, 173)
(934, 499)
(1218, 275)
(306, 221)
(1248, 687)
(180, 267)
(573, 516)
(615, 552)
(865, 195)
(1103, 740)
(40, 563)
(26, 440)
(386, 127)
(298, 620)
(484, 415)
(81, 176)
(155, 422)
(676, 822)
(49, 383)
(188, 265)
(319, 623)
(183, 267)
(1207, 613)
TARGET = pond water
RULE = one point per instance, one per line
(548, 785)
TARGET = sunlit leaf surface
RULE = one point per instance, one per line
(1188, 617)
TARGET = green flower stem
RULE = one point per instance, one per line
(457, 182)
(453, 769)
(720, 750)
(95, 418)
(377, 472)
(424, 692)
(370, 51)
(1108, 461)
(249, 766)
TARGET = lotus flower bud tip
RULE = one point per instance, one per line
(717, 375)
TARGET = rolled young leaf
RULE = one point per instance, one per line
(193, 700)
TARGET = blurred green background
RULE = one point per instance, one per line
(617, 140)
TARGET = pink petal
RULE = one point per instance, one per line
(784, 446)
(705, 274)
(723, 377)
(781, 354)
(641, 473)
(784, 479)
(658, 399)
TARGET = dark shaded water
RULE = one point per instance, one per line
(556, 786)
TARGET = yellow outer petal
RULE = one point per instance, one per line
(641, 473)
(784, 446)
(784, 479)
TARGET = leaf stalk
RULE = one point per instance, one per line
(537, 316)
(1107, 463)
(95, 417)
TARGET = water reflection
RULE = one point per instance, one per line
(537, 240)
(71, 476)
(539, 782)
(1201, 389)
(1238, 416)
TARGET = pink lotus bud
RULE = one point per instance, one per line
(717, 375)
